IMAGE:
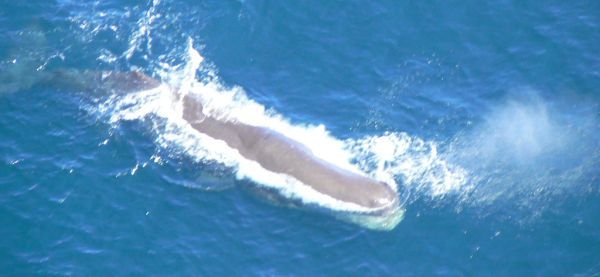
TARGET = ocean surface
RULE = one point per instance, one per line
(484, 116)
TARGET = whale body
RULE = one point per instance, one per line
(272, 150)
(281, 154)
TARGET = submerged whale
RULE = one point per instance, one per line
(272, 150)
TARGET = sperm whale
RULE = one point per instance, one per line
(272, 150)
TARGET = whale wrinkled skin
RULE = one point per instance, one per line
(281, 154)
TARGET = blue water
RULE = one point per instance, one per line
(497, 104)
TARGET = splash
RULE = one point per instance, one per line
(416, 161)
(144, 31)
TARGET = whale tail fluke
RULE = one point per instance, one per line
(21, 67)
(19, 78)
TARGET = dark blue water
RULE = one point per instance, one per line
(486, 115)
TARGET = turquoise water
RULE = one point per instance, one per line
(485, 115)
